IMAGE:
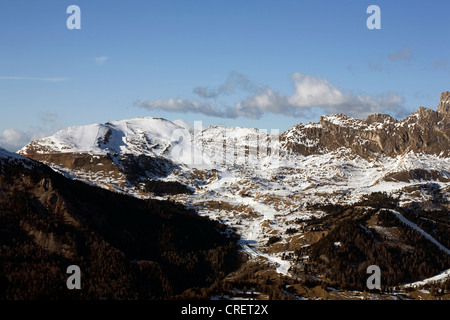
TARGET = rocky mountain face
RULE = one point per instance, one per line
(425, 131)
(276, 190)
(444, 105)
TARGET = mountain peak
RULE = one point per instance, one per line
(444, 103)
(380, 118)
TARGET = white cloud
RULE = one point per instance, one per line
(12, 136)
(254, 106)
(314, 91)
(309, 92)
(183, 106)
(14, 139)
(101, 60)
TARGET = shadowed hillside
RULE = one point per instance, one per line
(126, 248)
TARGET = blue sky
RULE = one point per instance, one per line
(251, 63)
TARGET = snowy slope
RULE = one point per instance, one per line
(244, 177)
(422, 232)
(140, 136)
(135, 135)
(437, 278)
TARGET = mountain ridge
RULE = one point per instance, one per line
(122, 155)
(425, 130)
(282, 193)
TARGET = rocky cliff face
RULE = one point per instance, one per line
(424, 131)
(444, 105)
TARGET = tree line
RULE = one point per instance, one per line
(412, 258)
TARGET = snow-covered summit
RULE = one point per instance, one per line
(176, 141)
(140, 136)
(117, 136)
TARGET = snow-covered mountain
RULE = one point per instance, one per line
(141, 136)
(258, 182)
(335, 159)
